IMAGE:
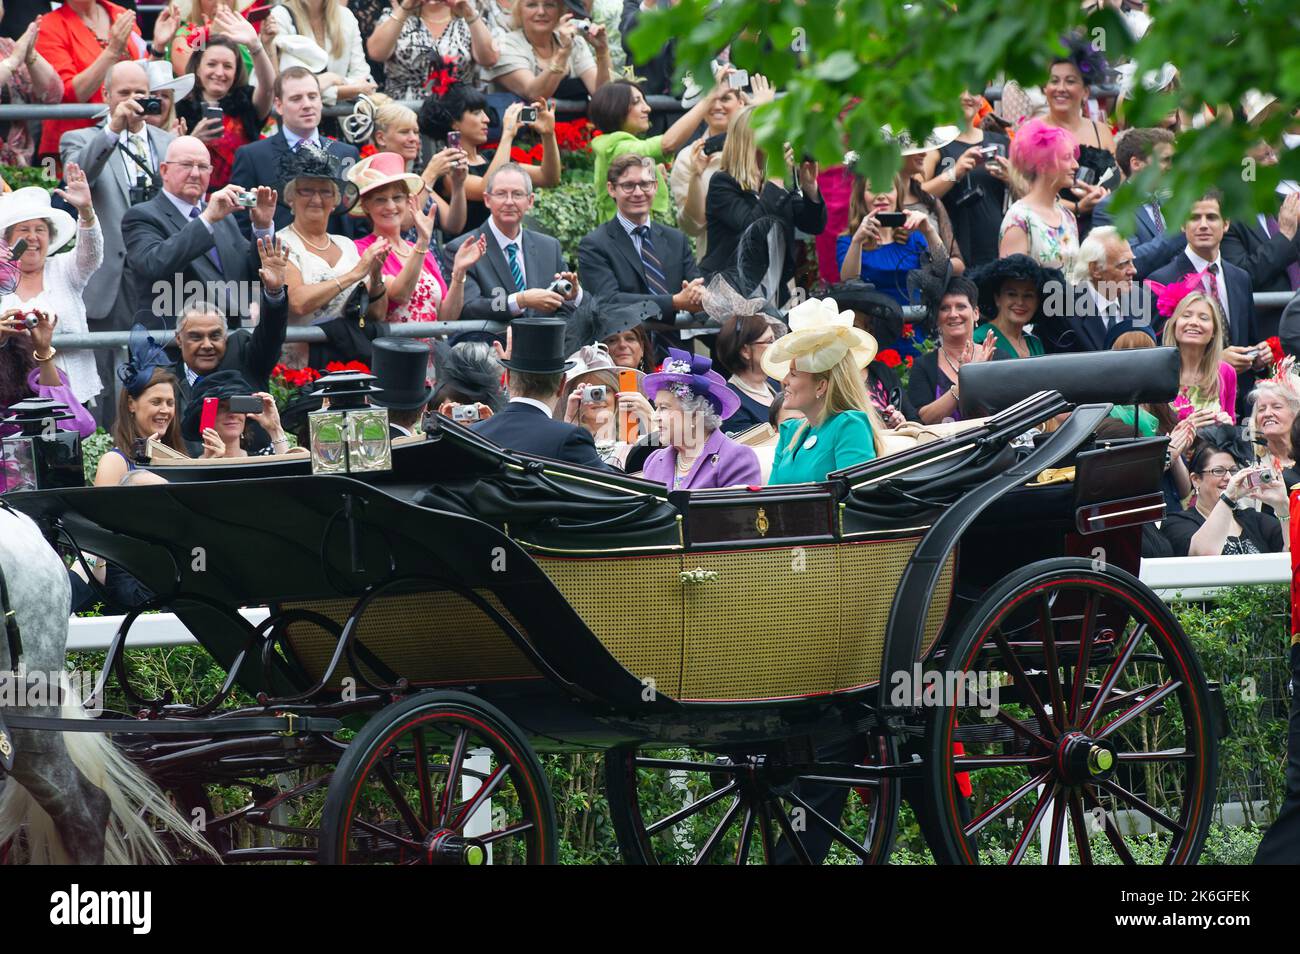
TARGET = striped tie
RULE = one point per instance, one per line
(212, 253)
(654, 269)
(517, 273)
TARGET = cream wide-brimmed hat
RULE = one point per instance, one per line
(379, 170)
(941, 136)
(162, 77)
(820, 336)
(33, 202)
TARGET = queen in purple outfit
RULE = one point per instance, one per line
(691, 401)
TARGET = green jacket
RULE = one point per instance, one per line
(841, 441)
(607, 148)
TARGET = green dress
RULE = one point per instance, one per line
(1005, 346)
(1147, 423)
(841, 441)
(610, 146)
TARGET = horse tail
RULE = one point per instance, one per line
(139, 812)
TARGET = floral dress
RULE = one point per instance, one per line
(429, 290)
(1054, 247)
(420, 63)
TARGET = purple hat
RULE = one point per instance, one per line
(695, 373)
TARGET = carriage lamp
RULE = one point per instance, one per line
(41, 456)
(348, 436)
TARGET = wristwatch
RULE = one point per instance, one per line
(1232, 504)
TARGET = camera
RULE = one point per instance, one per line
(891, 220)
(595, 394)
(528, 115)
(1086, 176)
(738, 80)
(151, 105)
(453, 139)
(561, 286)
(246, 200)
(582, 26)
(970, 195)
(138, 194)
(988, 152)
(31, 320)
(245, 404)
(462, 413)
(1256, 480)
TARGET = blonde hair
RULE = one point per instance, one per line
(389, 112)
(190, 10)
(298, 13)
(739, 159)
(517, 13)
(1207, 374)
(845, 392)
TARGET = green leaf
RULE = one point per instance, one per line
(837, 67)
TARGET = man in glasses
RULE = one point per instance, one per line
(523, 273)
(180, 245)
(631, 259)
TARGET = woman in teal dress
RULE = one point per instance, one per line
(1012, 292)
(819, 364)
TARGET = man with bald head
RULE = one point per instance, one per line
(181, 246)
(107, 153)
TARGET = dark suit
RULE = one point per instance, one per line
(526, 429)
(612, 270)
(253, 354)
(657, 71)
(489, 283)
(260, 163)
(1264, 257)
(1074, 324)
(1152, 246)
(162, 245)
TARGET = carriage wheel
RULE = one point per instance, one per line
(676, 806)
(439, 778)
(1099, 747)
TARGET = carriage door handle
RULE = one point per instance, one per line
(699, 575)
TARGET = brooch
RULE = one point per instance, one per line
(810, 442)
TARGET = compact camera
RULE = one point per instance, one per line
(1258, 479)
(464, 413)
(151, 105)
(582, 26)
(595, 394)
(527, 115)
(138, 194)
(561, 286)
(31, 320)
(246, 200)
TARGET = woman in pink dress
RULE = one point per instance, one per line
(415, 287)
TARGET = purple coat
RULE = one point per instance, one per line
(724, 463)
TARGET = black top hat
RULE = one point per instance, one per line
(401, 366)
(537, 346)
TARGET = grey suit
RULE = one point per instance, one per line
(489, 283)
(163, 246)
(107, 298)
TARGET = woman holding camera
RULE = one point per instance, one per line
(1215, 523)
(883, 252)
(970, 175)
(416, 38)
(54, 285)
(226, 438)
(223, 110)
(543, 56)
(1274, 411)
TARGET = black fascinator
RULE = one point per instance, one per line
(1226, 438)
(1087, 59)
(468, 371)
(308, 162)
(143, 355)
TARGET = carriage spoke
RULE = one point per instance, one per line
(454, 767)
(997, 809)
(836, 831)
(511, 832)
(746, 833)
(1018, 674)
(765, 834)
(1164, 755)
(1112, 832)
(1058, 832)
(715, 836)
(1049, 657)
(973, 763)
(1085, 656)
(787, 830)
(481, 796)
(388, 835)
(1023, 730)
(422, 778)
(1031, 826)
(1112, 675)
(399, 800)
(1080, 827)
(1134, 711)
(696, 806)
(1157, 816)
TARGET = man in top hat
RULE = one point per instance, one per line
(120, 157)
(297, 102)
(400, 366)
(526, 424)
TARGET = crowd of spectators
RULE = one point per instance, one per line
(214, 204)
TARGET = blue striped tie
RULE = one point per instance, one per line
(654, 269)
(212, 253)
(517, 273)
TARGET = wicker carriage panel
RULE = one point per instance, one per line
(428, 637)
(767, 627)
(633, 605)
(869, 576)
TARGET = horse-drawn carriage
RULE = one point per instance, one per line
(768, 671)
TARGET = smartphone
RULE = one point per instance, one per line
(738, 80)
(19, 247)
(213, 112)
(714, 144)
(453, 139)
(1086, 176)
(245, 404)
(629, 428)
(209, 416)
(258, 13)
(892, 220)
(528, 115)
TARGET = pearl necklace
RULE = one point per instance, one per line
(308, 242)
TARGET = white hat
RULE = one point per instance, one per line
(592, 358)
(820, 336)
(1255, 102)
(941, 136)
(296, 50)
(161, 78)
(33, 202)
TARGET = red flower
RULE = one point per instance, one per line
(368, 150)
(890, 358)
(334, 366)
(520, 156)
(908, 359)
(1275, 346)
(908, 330)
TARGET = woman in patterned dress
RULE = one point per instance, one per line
(414, 40)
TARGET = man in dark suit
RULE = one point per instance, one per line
(1268, 248)
(179, 247)
(1153, 246)
(536, 379)
(1232, 287)
(656, 71)
(1102, 303)
(298, 103)
(631, 260)
(513, 277)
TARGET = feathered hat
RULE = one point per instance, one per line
(143, 355)
(1087, 59)
(682, 371)
(820, 336)
(1169, 297)
(308, 162)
